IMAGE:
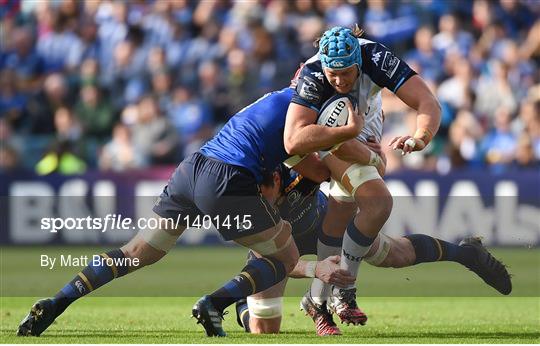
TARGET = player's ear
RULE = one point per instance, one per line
(277, 179)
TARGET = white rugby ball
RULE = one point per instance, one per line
(334, 112)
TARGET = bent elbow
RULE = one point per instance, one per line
(291, 147)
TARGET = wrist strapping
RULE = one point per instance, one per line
(310, 269)
(424, 135)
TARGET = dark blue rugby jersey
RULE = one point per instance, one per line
(380, 69)
(302, 204)
(253, 137)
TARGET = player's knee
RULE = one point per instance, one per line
(263, 327)
(377, 211)
(290, 259)
(280, 248)
(138, 248)
(382, 209)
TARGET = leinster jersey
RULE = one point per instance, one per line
(253, 138)
(380, 69)
(302, 203)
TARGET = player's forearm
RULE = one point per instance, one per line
(354, 151)
(313, 168)
(303, 269)
(417, 95)
(312, 138)
(428, 120)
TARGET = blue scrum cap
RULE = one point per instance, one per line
(339, 49)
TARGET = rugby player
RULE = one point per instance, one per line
(348, 64)
(300, 201)
(221, 180)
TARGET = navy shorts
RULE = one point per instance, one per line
(227, 195)
(307, 242)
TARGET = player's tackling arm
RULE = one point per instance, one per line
(327, 271)
(354, 151)
(416, 94)
(303, 136)
(313, 168)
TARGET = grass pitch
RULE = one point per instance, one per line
(391, 320)
(431, 303)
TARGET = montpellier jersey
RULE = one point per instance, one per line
(253, 137)
(380, 69)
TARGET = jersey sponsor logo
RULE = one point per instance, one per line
(293, 197)
(318, 75)
(390, 64)
(375, 58)
(310, 90)
(79, 286)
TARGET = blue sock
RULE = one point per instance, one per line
(258, 275)
(429, 249)
(243, 313)
(90, 278)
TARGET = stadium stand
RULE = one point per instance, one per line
(117, 85)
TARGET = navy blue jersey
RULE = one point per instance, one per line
(253, 138)
(302, 204)
(380, 69)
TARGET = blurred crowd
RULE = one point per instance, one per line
(120, 85)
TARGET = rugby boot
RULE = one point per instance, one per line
(41, 316)
(343, 304)
(324, 323)
(487, 267)
(208, 316)
(240, 311)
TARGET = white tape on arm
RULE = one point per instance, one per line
(310, 269)
(411, 142)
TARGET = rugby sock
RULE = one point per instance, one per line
(326, 246)
(242, 311)
(355, 246)
(90, 278)
(258, 275)
(429, 249)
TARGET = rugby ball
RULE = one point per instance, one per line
(334, 112)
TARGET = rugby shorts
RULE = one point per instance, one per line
(227, 194)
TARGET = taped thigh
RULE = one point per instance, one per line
(160, 239)
(356, 175)
(385, 244)
(279, 241)
(265, 308)
(338, 191)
